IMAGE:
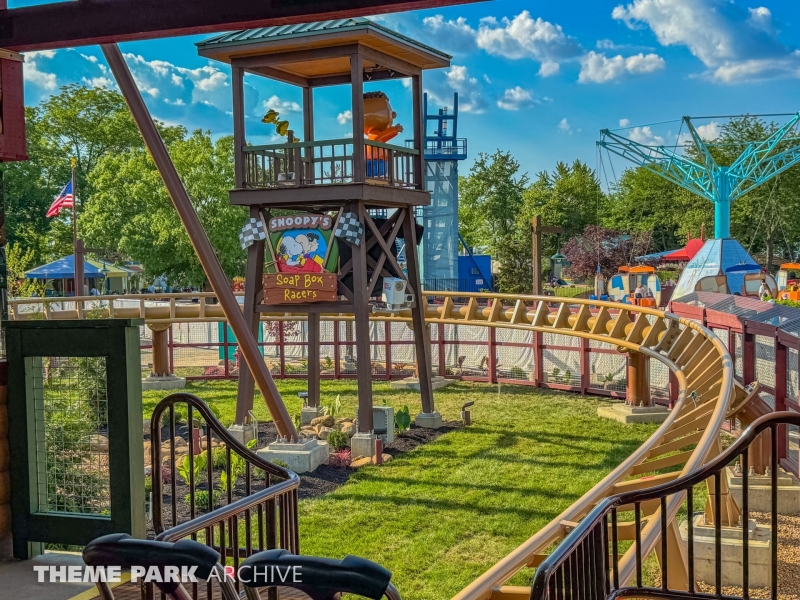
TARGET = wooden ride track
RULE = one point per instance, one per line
(708, 395)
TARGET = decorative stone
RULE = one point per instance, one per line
(98, 443)
(368, 460)
(349, 429)
(324, 432)
(327, 421)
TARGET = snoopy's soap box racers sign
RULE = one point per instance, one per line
(304, 258)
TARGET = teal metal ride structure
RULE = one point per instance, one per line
(722, 265)
(758, 163)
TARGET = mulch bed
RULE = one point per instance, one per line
(322, 480)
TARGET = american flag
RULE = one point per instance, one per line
(64, 200)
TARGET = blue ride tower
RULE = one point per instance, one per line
(443, 150)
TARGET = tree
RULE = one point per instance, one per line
(131, 211)
(607, 248)
(19, 260)
(490, 200)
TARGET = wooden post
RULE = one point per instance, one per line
(308, 113)
(359, 167)
(239, 139)
(536, 256)
(202, 246)
(362, 310)
(313, 359)
(422, 343)
(419, 132)
(638, 390)
(748, 356)
(254, 274)
(160, 349)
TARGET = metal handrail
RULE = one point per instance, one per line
(542, 581)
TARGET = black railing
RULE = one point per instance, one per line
(236, 520)
(579, 567)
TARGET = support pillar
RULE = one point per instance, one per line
(313, 360)
(197, 235)
(638, 389)
(161, 377)
(5, 467)
(361, 325)
(254, 274)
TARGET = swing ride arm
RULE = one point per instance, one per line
(749, 161)
(742, 181)
(663, 162)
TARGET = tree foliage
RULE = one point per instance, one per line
(608, 248)
(131, 211)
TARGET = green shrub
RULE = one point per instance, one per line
(219, 457)
(402, 419)
(201, 499)
(280, 463)
(186, 471)
(333, 408)
(338, 440)
(148, 485)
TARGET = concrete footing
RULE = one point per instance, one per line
(412, 383)
(732, 561)
(624, 413)
(309, 413)
(759, 488)
(431, 420)
(363, 444)
(302, 457)
(244, 433)
(167, 382)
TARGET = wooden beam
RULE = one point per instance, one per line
(380, 75)
(419, 131)
(294, 56)
(278, 75)
(388, 61)
(64, 24)
(239, 139)
(357, 94)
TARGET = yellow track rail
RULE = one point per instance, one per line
(688, 438)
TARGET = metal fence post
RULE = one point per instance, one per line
(586, 370)
(780, 392)
(442, 353)
(387, 338)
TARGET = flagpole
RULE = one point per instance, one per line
(78, 251)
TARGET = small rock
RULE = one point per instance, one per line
(324, 432)
(349, 429)
(327, 421)
(368, 460)
(98, 443)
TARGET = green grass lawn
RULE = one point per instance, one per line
(441, 515)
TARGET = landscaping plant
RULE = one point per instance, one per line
(338, 440)
(402, 419)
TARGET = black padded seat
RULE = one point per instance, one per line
(121, 550)
(320, 578)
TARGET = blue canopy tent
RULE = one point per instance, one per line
(64, 268)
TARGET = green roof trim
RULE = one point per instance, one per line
(261, 34)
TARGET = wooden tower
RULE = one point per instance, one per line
(350, 180)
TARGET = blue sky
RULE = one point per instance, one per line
(539, 79)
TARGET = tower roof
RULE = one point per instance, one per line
(282, 38)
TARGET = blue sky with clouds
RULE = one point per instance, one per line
(539, 79)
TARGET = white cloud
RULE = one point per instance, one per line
(41, 53)
(564, 126)
(734, 44)
(91, 59)
(442, 84)
(515, 98)
(456, 35)
(624, 122)
(282, 106)
(645, 135)
(709, 132)
(38, 78)
(207, 84)
(548, 68)
(100, 82)
(526, 37)
(343, 118)
(596, 67)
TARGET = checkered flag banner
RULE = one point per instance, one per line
(350, 229)
(253, 231)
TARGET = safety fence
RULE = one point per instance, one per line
(472, 353)
(764, 341)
